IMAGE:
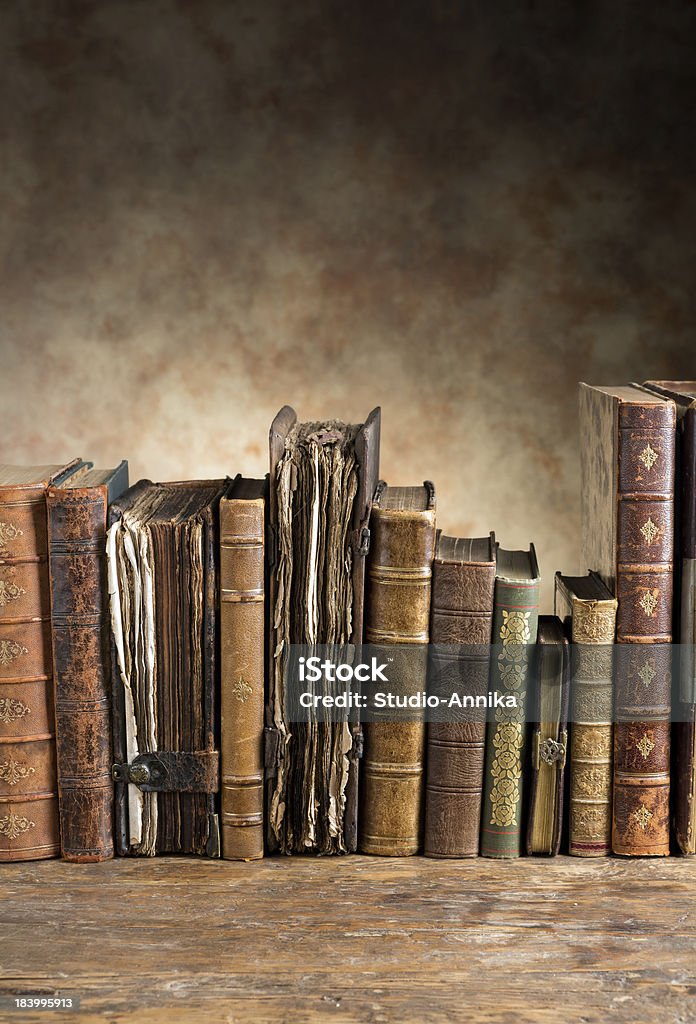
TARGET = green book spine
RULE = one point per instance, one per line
(515, 617)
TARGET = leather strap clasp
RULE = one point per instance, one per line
(172, 771)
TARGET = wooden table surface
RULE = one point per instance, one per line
(353, 939)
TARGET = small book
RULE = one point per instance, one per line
(515, 615)
(29, 828)
(683, 393)
(77, 513)
(323, 476)
(588, 609)
(162, 551)
(242, 665)
(402, 546)
(549, 715)
(627, 452)
(461, 620)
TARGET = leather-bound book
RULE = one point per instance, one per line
(162, 555)
(627, 445)
(549, 716)
(242, 661)
(589, 612)
(683, 393)
(515, 616)
(461, 620)
(402, 547)
(29, 827)
(77, 512)
(322, 479)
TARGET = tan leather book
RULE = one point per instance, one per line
(399, 572)
(461, 621)
(588, 611)
(242, 662)
(323, 476)
(627, 458)
(28, 789)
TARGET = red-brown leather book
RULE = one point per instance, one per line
(683, 393)
(242, 667)
(627, 464)
(461, 620)
(77, 512)
(28, 790)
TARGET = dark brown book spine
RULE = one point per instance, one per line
(462, 614)
(644, 550)
(398, 613)
(242, 676)
(28, 792)
(79, 610)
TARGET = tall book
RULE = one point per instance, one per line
(683, 393)
(589, 611)
(627, 446)
(322, 479)
(29, 827)
(77, 511)
(242, 666)
(461, 620)
(549, 717)
(162, 551)
(402, 528)
(515, 616)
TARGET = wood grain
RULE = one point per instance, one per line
(354, 939)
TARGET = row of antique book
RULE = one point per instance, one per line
(144, 635)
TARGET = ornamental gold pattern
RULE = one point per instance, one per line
(648, 603)
(9, 592)
(9, 532)
(12, 771)
(642, 816)
(592, 742)
(242, 690)
(9, 650)
(12, 709)
(648, 672)
(645, 746)
(592, 783)
(590, 822)
(649, 456)
(508, 739)
(12, 825)
(649, 530)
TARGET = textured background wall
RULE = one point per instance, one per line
(452, 209)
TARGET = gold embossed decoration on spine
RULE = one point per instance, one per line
(28, 790)
(588, 607)
(514, 634)
(627, 466)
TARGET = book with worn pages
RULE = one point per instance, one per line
(322, 479)
(162, 550)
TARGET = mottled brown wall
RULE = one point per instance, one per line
(455, 210)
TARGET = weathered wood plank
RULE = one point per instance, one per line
(355, 939)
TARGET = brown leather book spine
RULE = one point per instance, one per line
(398, 612)
(28, 793)
(242, 676)
(644, 550)
(462, 614)
(82, 680)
